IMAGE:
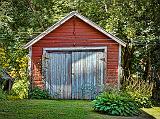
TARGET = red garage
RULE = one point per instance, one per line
(74, 58)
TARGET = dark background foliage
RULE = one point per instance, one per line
(136, 22)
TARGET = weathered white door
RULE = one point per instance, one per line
(87, 74)
(75, 74)
(58, 74)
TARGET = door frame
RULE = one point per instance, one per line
(76, 49)
(79, 48)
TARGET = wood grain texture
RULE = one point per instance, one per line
(76, 33)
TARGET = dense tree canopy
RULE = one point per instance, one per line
(134, 21)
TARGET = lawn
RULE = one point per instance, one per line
(155, 111)
(55, 109)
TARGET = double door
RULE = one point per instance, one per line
(74, 74)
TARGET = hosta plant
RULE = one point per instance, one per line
(116, 103)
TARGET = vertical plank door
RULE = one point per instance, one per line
(87, 74)
(58, 79)
(75, 74)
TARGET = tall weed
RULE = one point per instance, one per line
(140, 90)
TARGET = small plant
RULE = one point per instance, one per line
(38, 93)
(141, 100)
(116, 103)
(19, 89)
(2, 95)
(140, 91)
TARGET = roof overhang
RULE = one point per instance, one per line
(66, 18)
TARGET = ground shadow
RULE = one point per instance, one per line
(143, 115)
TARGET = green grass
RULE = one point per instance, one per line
(155, 111)
(53, 109)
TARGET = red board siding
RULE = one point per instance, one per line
(76, 33)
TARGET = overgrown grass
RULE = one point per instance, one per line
(53, 109)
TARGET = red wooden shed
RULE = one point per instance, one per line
(74, 58)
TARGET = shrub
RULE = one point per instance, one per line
(116, 103)
(140, 90)
(38, 93)
(141, 100)
(2, 95)
(20, 88)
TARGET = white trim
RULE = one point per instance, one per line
(105, 66)
(119, 65)
(30, 66)
(74, 48)
(30, 61)
(74, 13)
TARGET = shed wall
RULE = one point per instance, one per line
(75, 33)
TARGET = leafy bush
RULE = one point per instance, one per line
(140, 91)
(138, 85)
(116, 103)
(20, 88)
(2, 95)
(141, 100)
(38, 93)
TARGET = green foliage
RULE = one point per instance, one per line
(12, 97)
(139, 85)
(2, 95)
(135, 22)
(140, 91)
(38, 93)
(20, 89)
(141, 100)
(2, 83)
(116, 103)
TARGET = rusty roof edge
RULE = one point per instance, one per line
(63, 20)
